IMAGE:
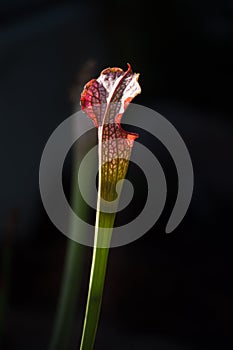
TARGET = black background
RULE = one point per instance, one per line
(162, 291)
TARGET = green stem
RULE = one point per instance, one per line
(71, 279)
(97, 278)
(64, 321)
(99, 262)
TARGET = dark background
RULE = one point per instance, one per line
(163, 291)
